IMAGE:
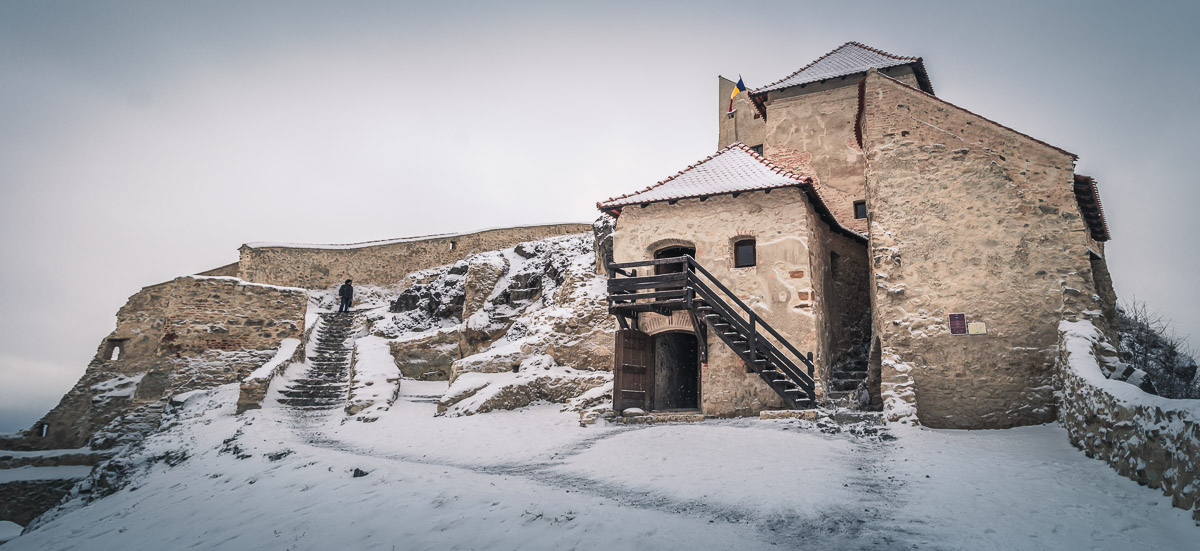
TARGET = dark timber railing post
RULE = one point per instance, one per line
(753, 345)
(689, 291)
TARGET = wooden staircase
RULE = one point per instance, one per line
(688, 286)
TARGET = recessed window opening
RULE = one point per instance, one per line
(44, 430)
(757, 149)
(835, 261)
(113, 349)
(453, 245)
(860, 209)
(743, 253)
(672, 252)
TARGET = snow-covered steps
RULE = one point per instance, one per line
(326, 383)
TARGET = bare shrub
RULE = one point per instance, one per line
(1149, 343)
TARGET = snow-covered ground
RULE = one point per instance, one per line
(534, 479)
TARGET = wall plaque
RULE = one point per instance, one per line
(976, 328)
(958, 324)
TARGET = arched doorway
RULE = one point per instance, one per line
(672, 252)
(676, 371)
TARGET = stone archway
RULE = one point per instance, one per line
(676, 371)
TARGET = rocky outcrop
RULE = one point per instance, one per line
(494, 310)
(483, 273)
(427, 357)
(537, 379)
(555, 352)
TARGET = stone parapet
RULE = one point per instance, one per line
(1152, 440)
(253, 389)
(380, 263)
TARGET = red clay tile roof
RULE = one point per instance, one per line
(850, 58)
(1088, 197)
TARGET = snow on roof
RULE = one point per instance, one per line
(733, 169)
(848, 59)
(272, 244)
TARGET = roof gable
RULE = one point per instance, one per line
(733, 169)
(850, 58)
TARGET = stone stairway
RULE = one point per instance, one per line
(844, 380)
(326, 384)
(680, 283)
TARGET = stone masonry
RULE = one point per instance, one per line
(163, 333)
(779, 287)
(968, 216)
(378, 263)
(1154, 441)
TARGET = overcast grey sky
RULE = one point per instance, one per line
(140, 141)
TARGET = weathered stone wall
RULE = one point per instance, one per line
(229, 314)
(383, 263)
(1102, 280)
(779, 287)
(745, 126)
(841, 299)
(1153, 440)
(968, 217)
(23, 501)
(810, 130)
(191, 332)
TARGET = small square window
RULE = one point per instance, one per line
(743, 253)
(860, 209)
(757, 149)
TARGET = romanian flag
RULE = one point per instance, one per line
(739, 87)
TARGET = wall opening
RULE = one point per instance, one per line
(672, 252)
(744, 254)
(835, 268)
(114, 349)
(860, 209)
(453, 245)
(676, 371)
(43, 430)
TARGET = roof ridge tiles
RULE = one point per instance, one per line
(843, 67)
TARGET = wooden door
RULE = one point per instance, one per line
(633, 371)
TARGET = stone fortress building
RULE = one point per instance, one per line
(920, 252)
(854, 241)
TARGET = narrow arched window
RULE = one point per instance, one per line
(743, 253)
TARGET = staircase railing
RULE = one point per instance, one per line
(690, 282)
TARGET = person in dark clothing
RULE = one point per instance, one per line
(347, 293)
